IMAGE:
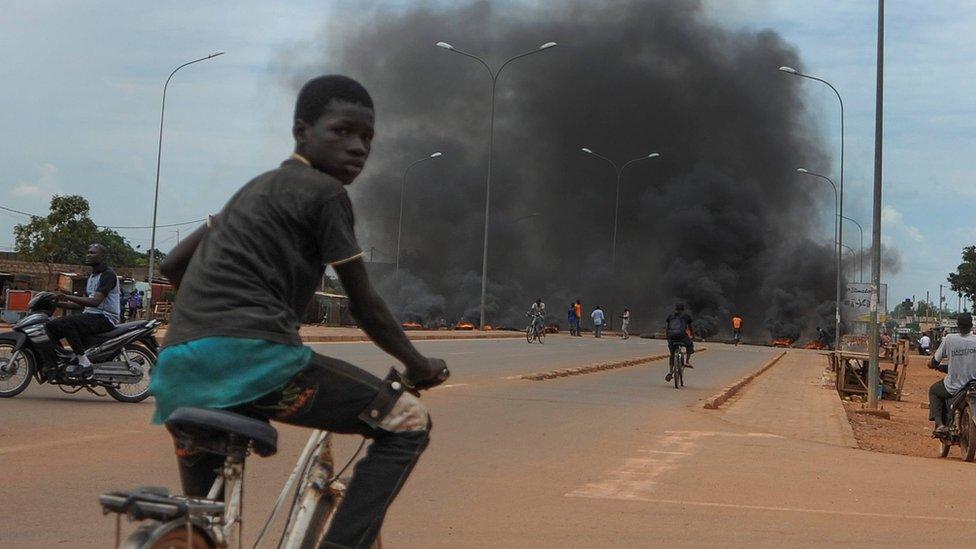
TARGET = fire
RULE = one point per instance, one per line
(783, 342)
(411, 326)
(489, 327)
(463, 325)
(814, 345)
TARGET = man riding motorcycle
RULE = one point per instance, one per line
(100, 312)
(961, 351)
(679, 331)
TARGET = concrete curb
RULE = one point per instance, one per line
(591, 368)
(717, 400)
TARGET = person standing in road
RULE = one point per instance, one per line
(573, 320)
(624, 323)
(579, 317)
(135, 303)
(736, 328)
(597, 317)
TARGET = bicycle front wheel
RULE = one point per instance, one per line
(528, 334)
(542, 336)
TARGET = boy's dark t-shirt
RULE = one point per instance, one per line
(257, 267)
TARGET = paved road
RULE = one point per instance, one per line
(615, 458)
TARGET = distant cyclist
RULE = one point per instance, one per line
(678, 329)
(538, 313)
(736, 328)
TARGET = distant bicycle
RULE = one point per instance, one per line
(535, 331)
(677, 364)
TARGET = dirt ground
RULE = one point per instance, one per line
(909, 431)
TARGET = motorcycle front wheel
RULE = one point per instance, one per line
(15, 372)
(135, 392)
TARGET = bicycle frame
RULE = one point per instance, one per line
(308, 519)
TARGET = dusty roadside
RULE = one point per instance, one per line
(909, 431)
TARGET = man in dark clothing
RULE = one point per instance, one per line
(244, 281)
(677, 328)
(100, 311)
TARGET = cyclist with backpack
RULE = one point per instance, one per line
(677, 328)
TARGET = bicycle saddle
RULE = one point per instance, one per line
(222, 432)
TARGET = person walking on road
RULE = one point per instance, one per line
(573, 320)
(579, 317)
(736, 328)
(597, 317)
(135, 303)
(624, 323)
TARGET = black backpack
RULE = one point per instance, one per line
(677, 326)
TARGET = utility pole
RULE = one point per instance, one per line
(941, 301)
(876, 222)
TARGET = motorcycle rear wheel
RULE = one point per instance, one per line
(19, 377)
(967, 435)
(136, 392)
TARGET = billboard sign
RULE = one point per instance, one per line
(858, 297)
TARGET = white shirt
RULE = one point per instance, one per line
(925, 342)
(538, 308)
(961, 350)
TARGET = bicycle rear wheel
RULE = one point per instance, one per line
(678, 365)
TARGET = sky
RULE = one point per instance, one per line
(82, 84)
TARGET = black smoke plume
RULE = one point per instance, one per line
(720, 221)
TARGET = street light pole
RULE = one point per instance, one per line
(491, 136)
(403, 187)
(616, 203)
(840, 202)
(159, 155)
(860, 276)
(853, 253)
(873, 374)
(836, 248)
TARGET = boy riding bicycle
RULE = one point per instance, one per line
(244, 281)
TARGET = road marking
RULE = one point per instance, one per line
(779, 509)
(64, 442)
(699, 434)
(637, 476)
(454, 385)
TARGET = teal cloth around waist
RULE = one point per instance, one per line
(222, 372)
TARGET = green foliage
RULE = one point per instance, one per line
(64, 235)
(964, 279)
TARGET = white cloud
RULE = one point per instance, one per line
(894, 221)
(43, 186)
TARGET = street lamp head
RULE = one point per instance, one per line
(587, 151)
(435, 155)
(548, 45)
(802, 170)
(215, 54)
(654, 155)
(789, 70)
(445, 45)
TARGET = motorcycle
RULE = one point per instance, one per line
(961, 423)
(122, 359)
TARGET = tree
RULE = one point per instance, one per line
(964, 279)
(64, 235)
